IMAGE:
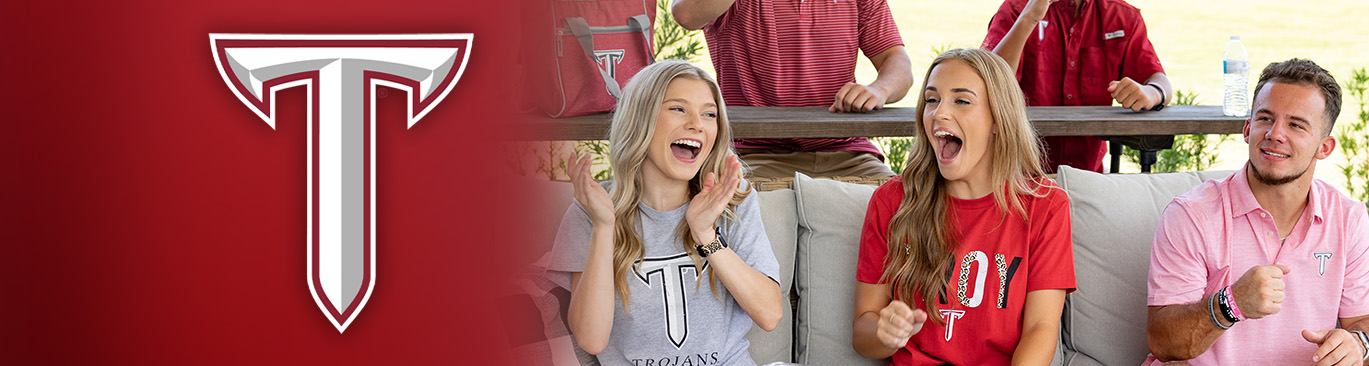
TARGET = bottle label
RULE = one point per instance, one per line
(1235, 67)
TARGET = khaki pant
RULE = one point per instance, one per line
(768, 163)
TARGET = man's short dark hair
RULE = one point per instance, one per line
(1304, 72)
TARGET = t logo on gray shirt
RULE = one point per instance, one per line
(673, 272)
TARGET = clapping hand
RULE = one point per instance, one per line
(591, 196)
(708, 205)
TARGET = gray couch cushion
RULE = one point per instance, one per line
(830, 216)
(1113, 218)
(781, 225)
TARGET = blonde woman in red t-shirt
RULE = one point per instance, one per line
(965, 258)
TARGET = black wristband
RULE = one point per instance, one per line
(1161, 105)
(719, 243)
(1225, 307)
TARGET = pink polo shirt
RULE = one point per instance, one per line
(1210, 236)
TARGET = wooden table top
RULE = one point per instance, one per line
(811, 122)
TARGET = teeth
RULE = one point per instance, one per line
(943, 134)
(690, 143)
(1276, 154)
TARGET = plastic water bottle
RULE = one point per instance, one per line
(1236, 71)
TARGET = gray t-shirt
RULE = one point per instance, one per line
(672, 322)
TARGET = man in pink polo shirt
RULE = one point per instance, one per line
(795, 53)
(1268, 266)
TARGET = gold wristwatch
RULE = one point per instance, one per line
(718, 244)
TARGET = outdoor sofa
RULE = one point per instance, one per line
(814, 228)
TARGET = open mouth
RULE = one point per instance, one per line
(950, 144)
(686, 149)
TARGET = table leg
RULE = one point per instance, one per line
(1115, 149)
(1148, 158)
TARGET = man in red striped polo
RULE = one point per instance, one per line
(1076, 53)
(802, 53)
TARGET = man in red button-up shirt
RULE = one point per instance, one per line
(1076, 53)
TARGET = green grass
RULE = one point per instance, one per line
(1189, 36)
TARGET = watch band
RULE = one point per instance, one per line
(1363, 341)
(1160, 105)
(718, 244)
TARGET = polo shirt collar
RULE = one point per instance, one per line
(1243, 199)
(1316, 201)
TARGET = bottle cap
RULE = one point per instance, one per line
(1235, 38)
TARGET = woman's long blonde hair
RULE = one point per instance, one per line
(634, 123)
(922, 239)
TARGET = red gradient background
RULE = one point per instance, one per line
(148, 217)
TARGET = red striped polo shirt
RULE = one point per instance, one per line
(1069, 60)
(796, 53)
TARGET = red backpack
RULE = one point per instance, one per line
(598, 46)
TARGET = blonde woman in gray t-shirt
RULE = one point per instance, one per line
(670, 264)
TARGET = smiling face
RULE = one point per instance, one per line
(1287, 133)
(685, 131)
(957, 118)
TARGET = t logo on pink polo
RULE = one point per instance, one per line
(341, 74)
(1321, 262)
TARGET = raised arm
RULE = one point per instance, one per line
(695, 14)
(1185, 331)
(1010, 48)
(756, 293)
(591, 301)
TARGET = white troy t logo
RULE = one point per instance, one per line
(341, 74)
(672, 274)
(1321, 262)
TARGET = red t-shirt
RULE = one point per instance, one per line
(791, 53)
(1069, 60)
(999, 259)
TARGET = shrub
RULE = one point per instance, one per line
(1353, 140)
(895, 151)
(600, 168)
(672, 40)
